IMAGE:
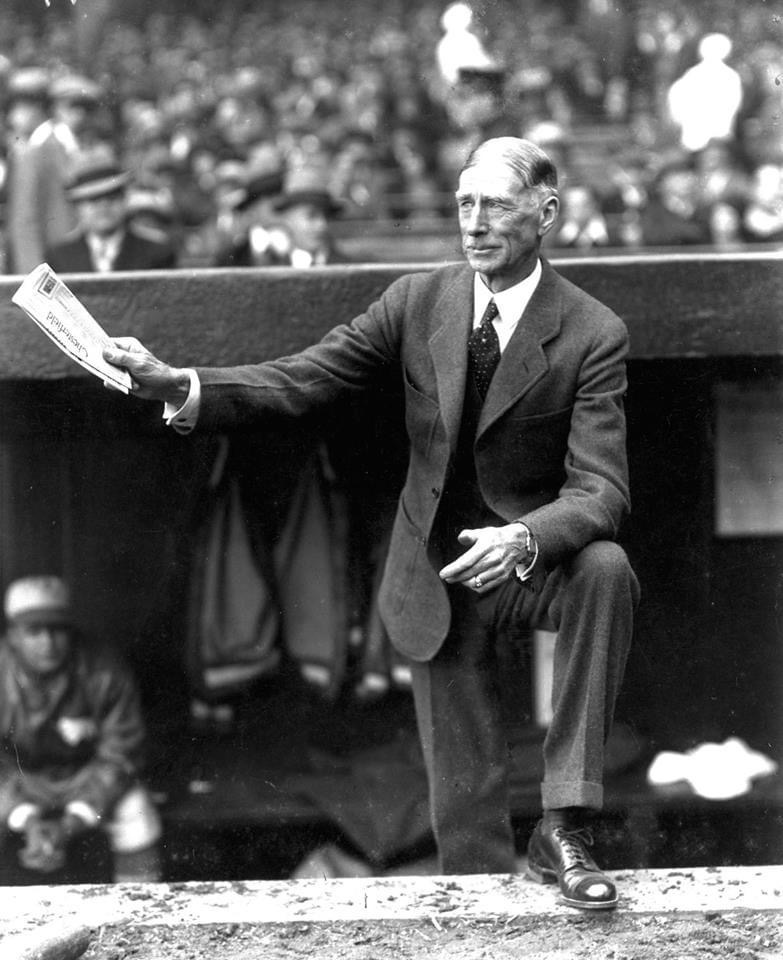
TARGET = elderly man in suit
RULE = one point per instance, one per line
(517, 483)
(105, 240)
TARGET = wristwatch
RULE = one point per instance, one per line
(524, 567)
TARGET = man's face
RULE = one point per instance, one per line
(501, 222)
(41, 648)
(103, 215)
(74, 113)
(308, 226)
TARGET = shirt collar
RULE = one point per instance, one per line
(104, 250)
(110, 243)
(511, 303)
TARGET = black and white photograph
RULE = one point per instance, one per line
(391, 479)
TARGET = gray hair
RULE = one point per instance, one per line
(528, 162)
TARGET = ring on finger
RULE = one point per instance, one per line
(477, 582)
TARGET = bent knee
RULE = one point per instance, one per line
(607, 560)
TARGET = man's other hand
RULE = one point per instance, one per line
(152, 378)
(492, 554)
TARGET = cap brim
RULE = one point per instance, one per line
(99, 188)
(51, 618)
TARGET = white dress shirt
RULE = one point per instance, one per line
(104, 250)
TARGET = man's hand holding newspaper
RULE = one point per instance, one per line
(63, 318)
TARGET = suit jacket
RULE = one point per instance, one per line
(550, 447)
(137, 252)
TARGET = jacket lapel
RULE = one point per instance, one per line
(524, 362)
(449, 350)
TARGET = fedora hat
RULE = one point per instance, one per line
(95, 177)
(257, 187)
(308, 185)
(44, 599)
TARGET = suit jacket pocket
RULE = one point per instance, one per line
(534, 447)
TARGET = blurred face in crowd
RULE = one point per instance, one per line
(579, 204)
(104, 215)
(679, 190)
(308, 225)
(502, 222)
(41, 648)
(74, 113)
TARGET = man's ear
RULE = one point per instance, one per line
(548, 215)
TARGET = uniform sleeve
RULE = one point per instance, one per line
(118, 755)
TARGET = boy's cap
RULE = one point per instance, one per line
(40, 599)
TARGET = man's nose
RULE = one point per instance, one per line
(476, 220)
(46, 637)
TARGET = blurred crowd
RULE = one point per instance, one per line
(665, 131)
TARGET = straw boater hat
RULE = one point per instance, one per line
(308, 185)
(74, 88)
(38, 600)
(95, 176)
(28, 84)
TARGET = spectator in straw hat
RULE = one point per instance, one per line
(71, 740)
(26, 102)
(42, 212)
(105, 240)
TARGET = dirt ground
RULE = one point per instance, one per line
(616, 936)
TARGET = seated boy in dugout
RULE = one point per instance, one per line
(71, 739)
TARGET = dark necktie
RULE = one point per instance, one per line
(484, 349)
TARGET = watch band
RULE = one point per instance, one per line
(524, 568)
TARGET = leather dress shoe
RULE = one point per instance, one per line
(558, 855)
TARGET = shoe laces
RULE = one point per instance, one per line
(573, 843)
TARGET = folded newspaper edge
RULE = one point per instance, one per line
(64, 319)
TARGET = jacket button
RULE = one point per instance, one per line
(436, 492)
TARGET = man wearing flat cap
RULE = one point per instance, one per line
(105, 239)
(71, 740)
(41, 213)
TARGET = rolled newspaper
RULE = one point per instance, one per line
(64, 319)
